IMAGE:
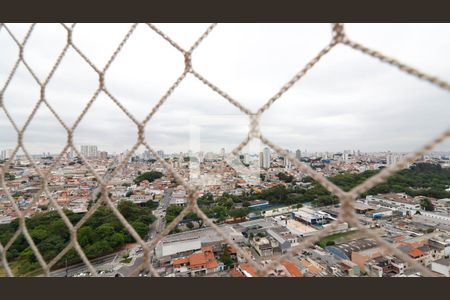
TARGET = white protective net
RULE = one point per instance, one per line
(347, 199)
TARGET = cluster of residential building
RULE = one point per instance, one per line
(397, 217)
(352, 254)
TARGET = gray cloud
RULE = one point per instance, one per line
(347, 101)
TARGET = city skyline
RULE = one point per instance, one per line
(92, 151)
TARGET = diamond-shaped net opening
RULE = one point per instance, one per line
(73, 227)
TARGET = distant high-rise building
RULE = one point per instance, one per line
(147, 155)
(69, 154)
(287, 162)
(93, 151)
(222, 152)
(180, 160)
(103, 155)
(246, 158)
(160, 153)
(345, 156)
(89, 151)
(9, 154)
(3, 154)
(266, 158)
(261, 159)
(298, 154)
(84, 150)
(392, 158)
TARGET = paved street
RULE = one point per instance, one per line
(127, 271)
(160, 214)
(81, 267)
(155, 228)
(166, 200)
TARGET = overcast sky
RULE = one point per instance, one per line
(347, 101)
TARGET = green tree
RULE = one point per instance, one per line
(150, 176)
(427, 205)
(97, 249)
(117, 239)
(172, 212)
(86, 235)
(190, 225)
(9, 176)
(104, 231)
(226, 259)
(140, 228)
(284, 177)
(59, 228)
(239, 212)
(39, 233)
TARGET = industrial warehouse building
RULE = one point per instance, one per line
(312, 217)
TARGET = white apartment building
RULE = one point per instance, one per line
(298, 154)
(392, 159)
(287, 162)
(441, 266)
(5, 154)
(160, 153)
(89, 151)
(403, 206)
(266, 158)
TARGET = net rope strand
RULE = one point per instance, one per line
(347, 199)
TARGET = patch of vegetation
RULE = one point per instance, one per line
(330, 240)
(427, 205)
(284, 177)
(174, 210)
(9, 176)
(126, 260)
(225, 258)
(100, 235)
(150, 176)
(422, 179)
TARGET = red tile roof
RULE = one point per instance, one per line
(197, 259)
(231, 250)
(212, 264)
(235, 273)
(416, 253)
(205, 258)
(248, 269)
(292, 269)
(180, 261)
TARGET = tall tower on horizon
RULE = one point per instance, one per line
(287, 162)
(90, 151)
(266, 158)
(298, 154)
